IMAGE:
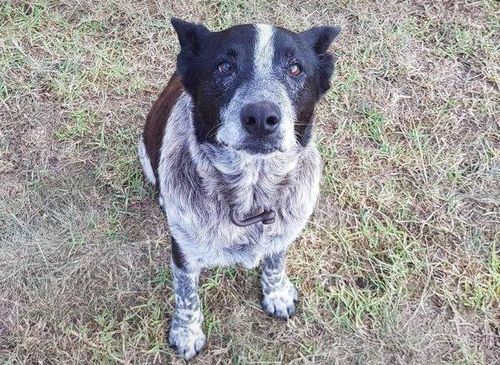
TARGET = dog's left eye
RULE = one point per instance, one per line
(225, 67)
(295, 70)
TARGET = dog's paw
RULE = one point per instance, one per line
(187, 341)
(280, 303)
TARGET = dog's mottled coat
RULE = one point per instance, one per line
(200, 181)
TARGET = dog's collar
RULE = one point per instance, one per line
(266, 217)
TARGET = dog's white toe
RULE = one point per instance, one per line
(187, 341)
(280, 303)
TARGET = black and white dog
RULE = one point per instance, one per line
(229, 146)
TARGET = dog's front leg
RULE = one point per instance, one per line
(186, 335)
(280, 295)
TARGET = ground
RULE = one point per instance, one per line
(399, 264)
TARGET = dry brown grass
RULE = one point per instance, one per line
(398, 266)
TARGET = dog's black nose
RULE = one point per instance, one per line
(261, 118)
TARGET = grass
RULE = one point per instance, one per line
(400, 264)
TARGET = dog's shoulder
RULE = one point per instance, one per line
(157, 119)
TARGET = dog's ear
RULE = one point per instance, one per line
(190, 38)
(190, 34)
(320, 39)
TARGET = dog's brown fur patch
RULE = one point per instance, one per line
(157, 119)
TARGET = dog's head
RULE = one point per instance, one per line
(254, 87)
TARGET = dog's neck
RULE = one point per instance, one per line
(250, 184)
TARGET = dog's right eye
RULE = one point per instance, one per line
(295, 70)
(225, 67)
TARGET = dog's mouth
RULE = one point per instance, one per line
(258, 149)
(253, 148)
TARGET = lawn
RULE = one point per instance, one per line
(400, 263)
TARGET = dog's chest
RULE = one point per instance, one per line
(227, 243)
(198, 203)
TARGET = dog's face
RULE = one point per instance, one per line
(254, 87)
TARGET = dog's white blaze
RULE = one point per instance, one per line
(264, 49)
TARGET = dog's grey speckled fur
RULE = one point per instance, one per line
(279, 293)
(186, 334)
(199, 184)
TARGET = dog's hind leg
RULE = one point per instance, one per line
(280, 295)
(186, 335)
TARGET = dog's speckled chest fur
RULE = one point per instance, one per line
(199, 185)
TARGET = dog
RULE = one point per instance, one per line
(230, 149)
